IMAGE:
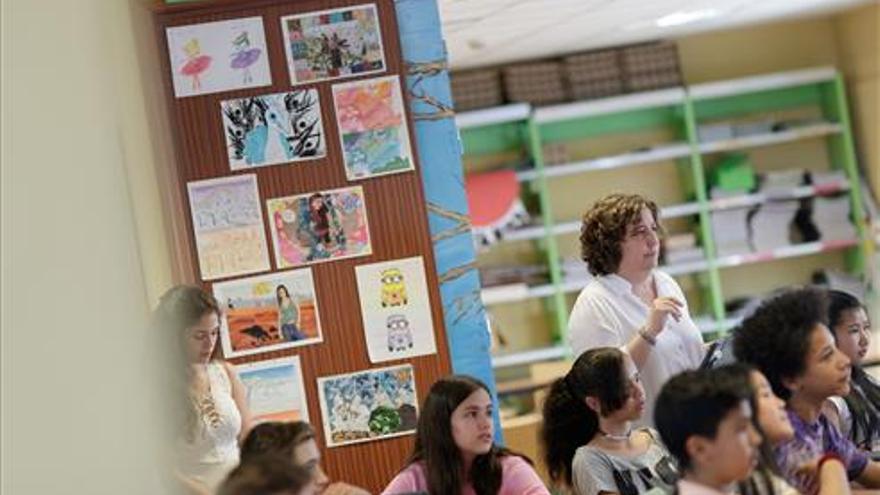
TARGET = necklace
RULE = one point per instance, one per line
(617, 438)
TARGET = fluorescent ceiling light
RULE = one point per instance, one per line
(686, 17)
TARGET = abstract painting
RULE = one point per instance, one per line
(372, 127)
(275, 390)
(319, 226)
(395, 309)
(218, 56)
(333, 44)
(274, 128)
(228, 226)
(268, 312)
(368, 405)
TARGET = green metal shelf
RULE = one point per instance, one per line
(682, 110)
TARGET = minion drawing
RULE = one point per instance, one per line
(393, 288)
(400, 336)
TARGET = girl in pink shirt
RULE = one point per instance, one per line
(455, 452)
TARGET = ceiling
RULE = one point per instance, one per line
(489, 32)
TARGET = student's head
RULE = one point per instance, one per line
(455, 427)
(602, 382)
(268, 475)
(294, 441)
(193, 317)
(769, 409)
(849, 325)
(852, 331)
(457, 417)
(705, 420)
(620, 232)
(787, 338)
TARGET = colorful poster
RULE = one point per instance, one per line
(274, 128)
(275, 390)
(333, 44)
(218, 56)
(368, 405)
(395, 309)
(268, 312)
(372, 127)
(320, 226)
(228, 226)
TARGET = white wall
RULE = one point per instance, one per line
(76, 366)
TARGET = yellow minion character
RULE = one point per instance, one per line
(393, 288)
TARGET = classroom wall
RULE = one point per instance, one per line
(77, 393)
(857, 34)
(849, 40)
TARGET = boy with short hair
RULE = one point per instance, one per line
(705, 422)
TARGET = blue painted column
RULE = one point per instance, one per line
(439, 150)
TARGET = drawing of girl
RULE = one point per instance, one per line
(288, 315)
(196, 63)
(244, 56)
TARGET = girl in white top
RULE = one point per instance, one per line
(630, 304)
(215, 415)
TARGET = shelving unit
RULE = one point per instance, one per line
(679, 112)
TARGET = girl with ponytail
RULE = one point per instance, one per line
(590, 445)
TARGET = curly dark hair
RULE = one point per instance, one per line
(776, 337)
(603, 229)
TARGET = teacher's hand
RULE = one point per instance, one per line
(661, 309)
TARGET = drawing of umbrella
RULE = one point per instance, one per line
(244, 55)
(196, 63)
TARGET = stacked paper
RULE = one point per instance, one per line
(682, 248)
(730, 227)
(771, 224)
(780, 184)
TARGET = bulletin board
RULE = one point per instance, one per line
(396, 216)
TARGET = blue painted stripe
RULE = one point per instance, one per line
(439, 150)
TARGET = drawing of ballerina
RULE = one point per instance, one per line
(196, 63)
(244, 56)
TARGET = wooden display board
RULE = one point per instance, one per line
(397, 214)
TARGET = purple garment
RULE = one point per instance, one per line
(811, 441)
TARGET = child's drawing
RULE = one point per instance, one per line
(333, 44)
(228, 226)
(218, 56)
(368, 405)
(320, 226)
(373, 128)
(274, 128)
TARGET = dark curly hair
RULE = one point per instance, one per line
(603, 229)
(776, 337)
(568, 423)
